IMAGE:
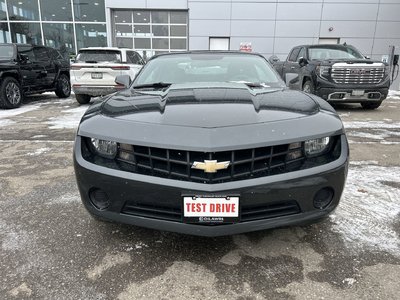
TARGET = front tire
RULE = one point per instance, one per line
(371, 105)
(10, 93)
(63, 87)
(82, 98)
(308, 87)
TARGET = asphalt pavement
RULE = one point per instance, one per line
(52, 249)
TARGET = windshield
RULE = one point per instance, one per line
(333, 52)
(208, 67)
(99, 56)
(6, 51)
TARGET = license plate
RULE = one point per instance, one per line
(199, 209)
(97, 75)
(357, 93)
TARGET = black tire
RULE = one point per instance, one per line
(63, 86)
(308, 87)
(10, 93)
(371, 105)
(82, 98)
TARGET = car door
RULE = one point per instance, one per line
(291, 69)
(48, 71)
(30, 71)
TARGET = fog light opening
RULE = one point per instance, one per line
(323, 198)
(99, 199)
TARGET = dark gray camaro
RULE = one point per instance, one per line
(210, 143)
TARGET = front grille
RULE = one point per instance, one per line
(247, 213)
(177, 164)
(357, 75)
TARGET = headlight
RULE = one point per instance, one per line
(323, 71)
(316, 146)
(107, 149)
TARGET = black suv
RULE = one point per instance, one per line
(28, 69)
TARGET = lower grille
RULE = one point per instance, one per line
(248, 212)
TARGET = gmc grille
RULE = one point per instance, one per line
(357, 75)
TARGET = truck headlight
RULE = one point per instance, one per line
(107, 149)
(323, 71)
(316, 146)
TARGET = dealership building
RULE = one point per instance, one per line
(270, 27)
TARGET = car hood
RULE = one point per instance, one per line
(208, 106)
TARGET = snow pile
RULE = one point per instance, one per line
(6, 114)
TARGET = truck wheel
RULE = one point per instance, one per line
(371, 105)
(308, 87)
(10, 93)
(82, 98)
(63, 87)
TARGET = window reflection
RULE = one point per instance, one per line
(26, 33)
(56, 10)
(4, 33)
(91, 35)
(59, 36)
(23, 10)
(3, 13)
(89, 11)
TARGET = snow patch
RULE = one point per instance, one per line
(369, 208)
(39, 151)
(371, 125)
(70, 118)
(5, 114)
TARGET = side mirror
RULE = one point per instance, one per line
(367, 57)
(124, 80)
(303, 61)
(273, 59)
(24, 58)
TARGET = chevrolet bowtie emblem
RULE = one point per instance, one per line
(211, 166)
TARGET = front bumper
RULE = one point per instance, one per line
(127, 191)
(345, 93)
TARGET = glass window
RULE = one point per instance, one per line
(160, 30)
(91, 35)
(159, 17)
(99, 55)
(123, 16)
(56, 10)
(302, 53)
(178, 44)
(125, 42)
(27, 51)
(26, 33)
(293, 54)
(59, 36)
(178, 30)
(41, 54)
(142, 30)
(160, 43)
(89, 11)
(142, 43)
(3, 13)
(133, 58)
(23, 10)
(178, 17)
(123, 30)
(141, 16)
(7, 52)
(4, 33)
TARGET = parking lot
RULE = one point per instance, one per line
(52, 249)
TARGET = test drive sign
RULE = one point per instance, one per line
(245, 47)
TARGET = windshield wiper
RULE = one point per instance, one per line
(156, 85)
(91, 61)
(253, 84)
